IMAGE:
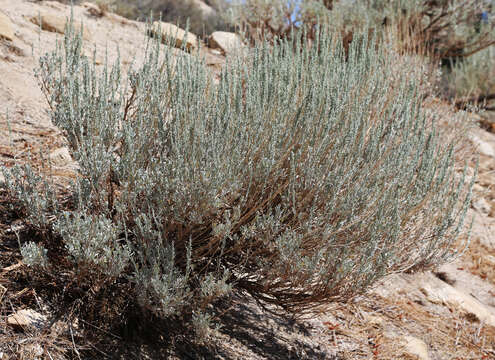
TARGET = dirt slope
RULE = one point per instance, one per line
(449, 314)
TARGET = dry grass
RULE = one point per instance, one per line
(23, 343)
(376, 323)
(482, 261)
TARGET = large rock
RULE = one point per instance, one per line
(56, 23)
(175, 35)
(439, 292)
(6, 28)
(226, 41)
(206, 10)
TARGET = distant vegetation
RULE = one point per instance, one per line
(184, 13)
(457, 33)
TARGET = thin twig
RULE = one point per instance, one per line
(102, 330)
(73, 342)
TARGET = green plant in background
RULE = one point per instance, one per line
(473, 76)
(301, 177)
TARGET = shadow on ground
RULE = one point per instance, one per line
(247, 332)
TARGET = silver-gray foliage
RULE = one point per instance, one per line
(303, 176)
(92, 242)
(34, 255)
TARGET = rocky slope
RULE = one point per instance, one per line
(446, 314)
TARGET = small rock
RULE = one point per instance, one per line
(61, 157)
(93, 9)
(55, 23)
(226, 41)
(171, 31)
(415, 347)
(26, 318)
(6, 28)
(374, 320)
(482, 206)
(483, 147)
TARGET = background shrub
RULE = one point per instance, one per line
(261, 20)
(301, 177)
(471, 81)
(445, 28)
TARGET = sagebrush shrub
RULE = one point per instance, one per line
(263, 20)
(301, 177)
